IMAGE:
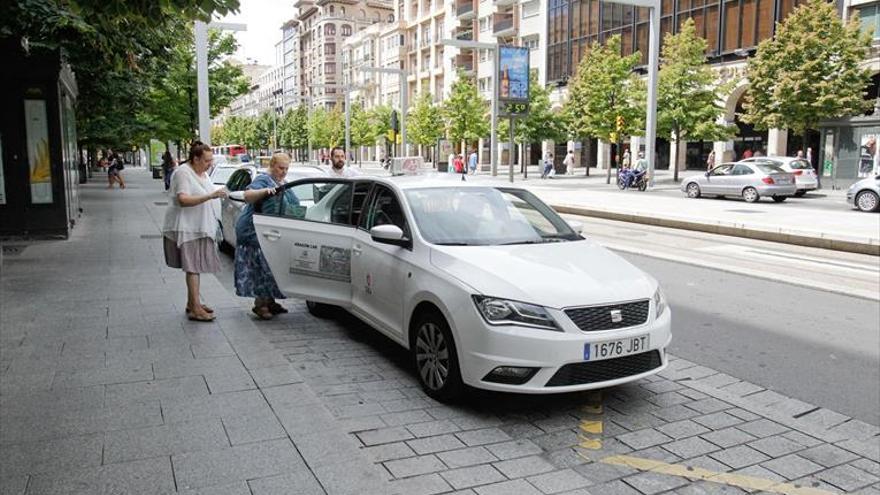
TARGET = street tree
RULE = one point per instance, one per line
(326, 127)
(606, 98)
(809, 72)
(465, 111)
(362, 129)
(539, 123)
(425, 121)
(687, 96)
(293, 130)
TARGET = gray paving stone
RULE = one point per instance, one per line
(617, 487)
(300, 483)
(101, 376)
(50, 456)
(708, 405)
(855, 429)
(805, 440)
(513, 487)
(148, 476)
(765, 398)
(559, 481)
(239, 488)
(743, 414)
(476, 422)
(651, 483)
(762, 428)
(428, 484)
(828, 455)
(598, 473)
(432, 428)
(776, 446)
(717, 420)
(847, 477)
(739, 457)
(389, 452)
(728, 437)
(470, 456)
(276, 375)
(414, 466)
(482, 437)
(706, 462)
(472, 476)
(523, 467)
(384, 435)
(514, 448)
(52, 423)
(741, 389)
(643, 439)
(662, 386)
(430, 445)
(825, 418)
(656, 454)
(13, 485)
(867, 466)
(521, 430)
(675, 413)
(682, 429)
(243, 462)
(357, 425)
(406, 417)
(165, 440)
(214, 406)
(868, 449)
(792, 407)
(690, 447)
(253, 428)
(708, 488)
(792, 466)
(353, 478)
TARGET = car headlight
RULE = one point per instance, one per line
(659, 302)
(505, 312)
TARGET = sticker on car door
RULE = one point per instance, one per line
(328, 262)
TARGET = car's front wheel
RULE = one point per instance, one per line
(435, 357)
(868, 201)
(322, 310)
(693, 190)
(750, 194)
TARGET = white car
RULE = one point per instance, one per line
(237, 182)
(220, 174)
(804, 176)
(486, 286)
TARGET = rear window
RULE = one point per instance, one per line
(769, 168)
(221, 175)
(800, 165)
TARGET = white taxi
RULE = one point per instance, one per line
(486, 286)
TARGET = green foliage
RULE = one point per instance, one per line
(380, 120)
(425, 121)
(327, 127)
(687, 97)
(465, 111)
(293, 129)
(363, 130)
(264, 127)
(603, 89)
(540, 122)
(809, 72)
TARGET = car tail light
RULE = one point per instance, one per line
(768, 180)
(798, 172)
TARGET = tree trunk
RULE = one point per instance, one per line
(677, 158)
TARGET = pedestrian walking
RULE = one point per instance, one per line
(627, 158)
(569, 163)
(548, 165)
(338, 167)
(192, 222)
(458, 163)
(253, 277)
(114, 172)
(472, 161)
(758, 153)
(450, 164)
(799, 154)
(747, 153)
(710, 161)
(168, 166)
(810, 156)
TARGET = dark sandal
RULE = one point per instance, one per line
(277, 309)
(262, 313)
(206, 309)
(195, 317)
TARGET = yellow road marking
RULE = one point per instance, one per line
(591, 427)
(590, 443)
(593, 409)
(695, 473)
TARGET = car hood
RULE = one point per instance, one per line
(555, 275)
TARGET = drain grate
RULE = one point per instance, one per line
(151, 236)
(160, 203)
(12, 250)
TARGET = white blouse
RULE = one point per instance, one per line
(188, 223)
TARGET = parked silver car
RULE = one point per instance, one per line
(749, 180)
(239, 180)
(865, 194)
(804, 176)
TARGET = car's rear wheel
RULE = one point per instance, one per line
(750, 194)
(322, 310)
(868, 201)
(800, 193)
(693, 190)
(435, 358)
(779, 199)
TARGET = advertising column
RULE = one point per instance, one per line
(513, 90)
(39, 162)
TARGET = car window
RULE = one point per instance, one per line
(769, 168)
(742, 170)
(799, 165)
(221, 175)
(317, 201)
(239, 180)
(384, 209)
(722, 170)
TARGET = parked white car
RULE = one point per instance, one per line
(238, 181)
(865, 194)
(486, 286)
(804, 176)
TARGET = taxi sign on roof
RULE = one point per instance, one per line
(409, 165)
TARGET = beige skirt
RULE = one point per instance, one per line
(198, 256)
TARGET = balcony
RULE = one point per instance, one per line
(464, 63)
(503, 3)
(464, 34)
(465, 10)
(502, 25)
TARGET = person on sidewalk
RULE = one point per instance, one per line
(747, 154)
(114, 172)
(548, 165)
(253, 277)
(338, 167)
(168, 166)
(472, 162)
(192, 221)
(569, 163)
(710, 161)
(627, 158)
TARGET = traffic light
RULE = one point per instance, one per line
(395, 124)
(619, 123)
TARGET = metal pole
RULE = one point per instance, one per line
(201, 39)
(347, 122)
(404, 89)
(510, 153)
(308, 123)
(274, 129)
(493, 137)
(653, 60)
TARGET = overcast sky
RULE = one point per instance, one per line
(264, 19)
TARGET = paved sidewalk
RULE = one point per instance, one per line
(105, 388)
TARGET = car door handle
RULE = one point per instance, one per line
(356, 250)
(272, 235)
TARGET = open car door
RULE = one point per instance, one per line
(306, 232)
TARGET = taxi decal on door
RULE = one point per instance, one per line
(328, 262)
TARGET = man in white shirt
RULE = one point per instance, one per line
(569, 163)
(338, 167)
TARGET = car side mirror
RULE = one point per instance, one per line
(236, 195)
(389, 234)
(576, 226)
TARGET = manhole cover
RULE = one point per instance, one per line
(744, 211)
(12, 250)
(151, 236)
(160, 203)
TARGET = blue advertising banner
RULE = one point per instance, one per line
(513, 64)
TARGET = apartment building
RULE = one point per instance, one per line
(290, 60)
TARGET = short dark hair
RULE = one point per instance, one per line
(340, 148)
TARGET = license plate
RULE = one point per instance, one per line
(595, 351)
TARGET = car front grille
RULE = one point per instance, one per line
(608, 369)
(594, 318)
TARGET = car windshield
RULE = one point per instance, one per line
(799, 165)
(221, 174)
(769, 168)
(485, 216)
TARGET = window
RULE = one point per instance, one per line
(346, 30)
(483, 84)
(484, 55)
(330, 68)
(330, 49)
(330, 29)
(531, 43)
(342, 11)
(239, 180)
(722, 170)
(384, 209)
(484, 24)
(531, 8)
(869, 15)
(331, 9)
(742, 170)
(315, 201)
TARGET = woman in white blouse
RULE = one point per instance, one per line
(191, 226)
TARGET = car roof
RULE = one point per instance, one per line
(431, 180)
(773, 158)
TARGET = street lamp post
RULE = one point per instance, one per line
(404, 89)
(201, 42)
(275, 94)
(493, 137)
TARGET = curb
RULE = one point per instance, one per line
(835, 243)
